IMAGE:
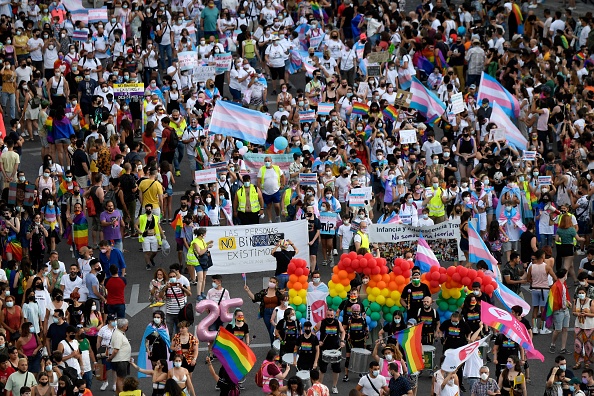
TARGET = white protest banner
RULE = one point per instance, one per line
(316, 306)
(368, 191)
(442, 237)
(187, 60)
(408, 136)
(314, 42)
(529, 156)
(97, 15)
(328, 220)
(497, 135)
(308, 179)
(254, 162)
(356, 199)
(126, 91)
(223, 62)
(203, 73)
(458, 105)
(455, 357)
(545, 180)
(242, 249)
(205, 176)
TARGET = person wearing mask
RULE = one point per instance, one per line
(316, 283)
(313, 228)
(217, 293)
(486, 386)
(373, 383)
(150, 234)
(109, 256)
(456, 334)
(413, 294)
(332, 337)
(361, 237)
(288, 331)
(356, 333)
(283, 257)
(307, 349)
(120, 353)
(538, 277)
(115, 286)
(430, 319)
(397, 383)
(70, 350)
(20, 378)
(248, 203)
(561, 304)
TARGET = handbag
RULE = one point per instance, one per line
(205, 260)
(100, 372)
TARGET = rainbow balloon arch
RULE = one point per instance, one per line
(385, 288)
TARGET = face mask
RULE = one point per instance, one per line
(509, 365)
(113, 323)
(50, 203)
(55, 320)
(454, 323)
(22, 179)
(293, 318)
(271, 285)
(572, 388)
(435, 185)
(177, 364)
(388, 357)
(10, 304)
(581, 296)
(247, 183)
(157, 321)
(375, 373)
(316, 280)
(49, 367)
(416, 282)
(45, 174)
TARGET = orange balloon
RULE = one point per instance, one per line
(352, 275)
(297, 286)
(343, 274)
(392, 285)
(400, 280)
(345, 282)
(335, 278)
(335, 269)
(386, 278)
(290, 284)
(376, 277)
(381, 285)
(303, 279)
(293, 278)
(372, 283)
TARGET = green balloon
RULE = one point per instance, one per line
(443, 305)
(388, 317)
(439, 296)
(385, 309)
(375, 307)
(302, 308)
(461, 301)
(375, 316)
(452, 307)
(336, 301)
(394, 309)
(299, 315)
(329, 300)
(366, 303)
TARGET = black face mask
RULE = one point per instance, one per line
(31, 298)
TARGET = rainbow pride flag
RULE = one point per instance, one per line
(80, 231)
(410, 340)
(318, 11)
(178, 225)
(390, 112)
(360, 108)
(62, 188)
(555, 301)
(237, 358)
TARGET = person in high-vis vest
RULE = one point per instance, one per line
(248, 204)
(270, 181)
(361, 238)
(150, 234)
(435, 201)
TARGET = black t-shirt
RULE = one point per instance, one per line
(86, 88)
(312, 227)
(392, 327)
(356, 329)
(348, 13)
(239, 332)
(14, 136)
(288, 330)
(307, 348)
(79, 157)
(455, 336)
(330, 333)
(57, 333)
(450, 162)
(413, 296)
(345, 307)
(283, 257)
(506, 349)
(472, 317)
(157, 346)
(430, 320)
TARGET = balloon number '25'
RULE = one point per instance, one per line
(225, 311)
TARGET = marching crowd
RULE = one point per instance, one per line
(110, 162)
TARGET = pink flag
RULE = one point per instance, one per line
(505, 323)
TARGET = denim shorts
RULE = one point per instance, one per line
(539, 297)
(561, 319)
(62, 141)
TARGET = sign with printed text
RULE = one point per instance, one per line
(458, 105)
(246, 248)
(308, 179)
(401, 232)
(374, 71)
(356, 199)
(545, 180)
(529, 155)
(221, 167)
(314, 42)
(497, 135)
(307, 116)
(328, 220)
(203, 73)
(126, 91)
(403, 98)
(187, 60)
(408, 136)
(223, 62)
(368, 191)
(205, 176)
(378, 57)
(97, 15)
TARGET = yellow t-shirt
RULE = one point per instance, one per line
(150, 193)
(21, 40)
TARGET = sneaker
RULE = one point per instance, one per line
(564, 351)
(148, 267)
(177, 173)
(324, 262)
(335, 252)
(114, 387)
(193, 283)
(545, 331)
(334, 390)
(217, 388)
(104, 385)
(204, 297)
(535, 330)
(199, 298)
(345, 378)
(71, 249)
(153, 263)
(126, 235)
(533, 6)
(552, 349)
(241, 385)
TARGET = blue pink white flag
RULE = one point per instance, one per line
(512, 133)
(478, 251)
(325, 108)
(425, 259)
(80, 35)
(239, 122)
(425, 101)
(508, 298)
(491, 89)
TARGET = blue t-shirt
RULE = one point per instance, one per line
(116, 258)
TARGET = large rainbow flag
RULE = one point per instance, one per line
(178, 225)
(410, 340)
(80, 231)
(237, 358)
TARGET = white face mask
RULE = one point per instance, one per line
(484, 376)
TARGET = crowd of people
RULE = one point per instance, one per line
(111, 165)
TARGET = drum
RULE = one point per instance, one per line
(331, 356)
(276, 346)
(304, 376)
(359, 362)
(288, 358)
(428, 356)
(413, 380)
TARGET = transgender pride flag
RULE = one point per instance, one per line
(478, 251)
(241, 123)
(491, 89)
(512, 133)
(425, 101)
(425, 259)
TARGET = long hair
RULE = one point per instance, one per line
(172, 388)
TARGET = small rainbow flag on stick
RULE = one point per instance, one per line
(237, 358)
(360, 108)
(410, 340)
(391, 113)
(178, 225)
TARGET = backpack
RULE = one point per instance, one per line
(91, 209)
(70, 372)
(259, 378)
(249, 50)
(173, 139)
(186, 313)
(110, 195)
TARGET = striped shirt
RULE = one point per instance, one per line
(172, 304)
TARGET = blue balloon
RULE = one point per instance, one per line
(373, 324)
(239, 144)
(281, 143)
(302, 321)
(447, 315)
(368, 320)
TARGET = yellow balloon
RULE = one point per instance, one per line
(445, 293)
(343, 294)
(455, 293)
(333, 293)
(375, 291)
(302, 293)
(347, 288)
(385, 292)
(330, 285)
(339, 288)
(292, 293)
(389, 302)
(371, 297)
(395, 295)
(297, 300)
(381, 300)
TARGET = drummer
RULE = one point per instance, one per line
(391, 355)
(345, 306)
(288, 331)
(413, 294)
(332, 336)
(430, 319)
(356, 332)
(307, 349)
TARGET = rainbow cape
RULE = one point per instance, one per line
(410, 340)
(237, 358)
(360, 108)
(178, 225)
(555, 301)
(390, 112)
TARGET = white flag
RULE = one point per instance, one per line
(455, 357)
(316, 306)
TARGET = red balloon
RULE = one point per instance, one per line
(306, 271)
(356, 262)
(489, 289)
(384, 269)
(299, 271)
(456, 277)
(364, 263)
(472, 273)
(367, 271)
(451, 271)
(434, 269)
(434, 284)
(375, 270)
(345, 261)
(463, 271)
(434, 275)
(443, 278)
(466, 281)
(406, 273)
(291, 268)
(397, 271)
(479, 280)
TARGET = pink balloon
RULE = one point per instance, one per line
(202, 331)
(227, 308)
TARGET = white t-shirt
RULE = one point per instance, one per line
(347, 236)
(72, 362)
(23, 74)
(366, 381)
(36, 55)
(271, 184)
(430, 149)
(275, 54)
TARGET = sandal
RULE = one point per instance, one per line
(586, 366)
(577, 366)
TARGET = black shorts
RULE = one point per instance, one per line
(313, 249)
(324, 366)
(187, 366)
(122, 369)
(86, 108)
(277, 73)
(324, 236)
